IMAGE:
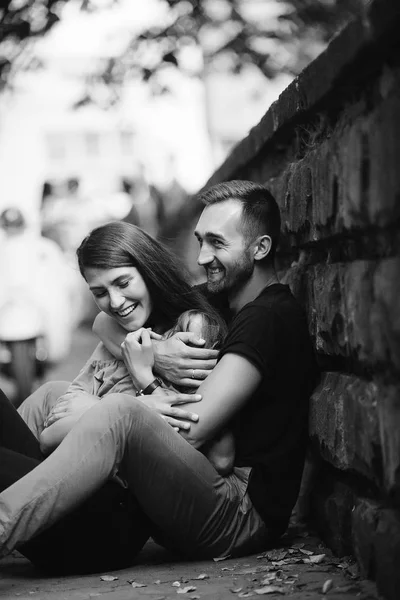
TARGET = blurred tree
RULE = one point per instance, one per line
(275, 35)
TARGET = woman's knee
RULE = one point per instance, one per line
(120, 405)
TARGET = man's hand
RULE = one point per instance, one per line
(167, 405)
(69, 405)
(183, 364)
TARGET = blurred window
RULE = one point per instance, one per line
(92, 143)
(56, 146)
(126, 138)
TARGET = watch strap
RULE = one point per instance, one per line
(149, 389)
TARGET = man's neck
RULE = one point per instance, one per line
(260, 279)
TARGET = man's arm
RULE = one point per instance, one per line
(225, 391)
(175, 360)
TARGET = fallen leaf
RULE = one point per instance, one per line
(137, 585)
(353, 571)
(327, 586)
(108, 578)
(270, 589)
(297, 546)
(304, 551)
(318, 558)
(176, 584)
(186, 590)
(220, 558)
(245, 595)
(253, 570)
(202, 576)
(227, 569)
(157, 581)
(345, 589)
(235, 590)
(267, 580)
(277, 554)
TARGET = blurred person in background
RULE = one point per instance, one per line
(34, 269)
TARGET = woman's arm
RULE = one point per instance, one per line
(54, 434)
(175, 358)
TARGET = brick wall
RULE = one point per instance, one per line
(329, 150)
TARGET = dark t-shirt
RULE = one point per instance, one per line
(271, 430)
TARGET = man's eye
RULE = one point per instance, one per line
(218, 244)
(124, 284)
(99, 294)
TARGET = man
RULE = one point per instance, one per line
(259, 389)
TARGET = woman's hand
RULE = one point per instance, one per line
(70, 405)
(138, 356)
(167, 405)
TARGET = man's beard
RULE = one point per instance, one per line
(233, 279)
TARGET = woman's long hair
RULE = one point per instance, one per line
(120, 244)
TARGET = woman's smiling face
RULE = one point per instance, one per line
(122, 294)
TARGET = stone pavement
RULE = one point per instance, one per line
(302, 568)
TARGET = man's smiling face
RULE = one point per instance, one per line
(224, 252)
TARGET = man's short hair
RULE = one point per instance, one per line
(260, 214)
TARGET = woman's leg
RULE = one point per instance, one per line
(37, 406)
(182, 494)
(105, 532)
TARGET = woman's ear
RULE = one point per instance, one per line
(262, 247)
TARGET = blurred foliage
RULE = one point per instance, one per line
(275, 35)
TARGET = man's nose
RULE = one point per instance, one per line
(116, 300)
(206, 256)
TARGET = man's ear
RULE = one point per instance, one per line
(262, 247)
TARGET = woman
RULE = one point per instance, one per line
(189, 504)
(170, 295)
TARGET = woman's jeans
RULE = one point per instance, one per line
(193, 508)
(105, 532)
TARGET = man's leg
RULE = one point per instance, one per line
(15, 435)
(177, 487)
(37, 406)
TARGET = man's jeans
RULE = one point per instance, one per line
(195, 509)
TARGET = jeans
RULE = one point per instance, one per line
(192, 507)
(105, 532)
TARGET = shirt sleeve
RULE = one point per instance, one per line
(255, 334)
(86, 379)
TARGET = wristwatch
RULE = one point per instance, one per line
(149, 389)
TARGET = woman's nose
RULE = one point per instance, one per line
(116, 300)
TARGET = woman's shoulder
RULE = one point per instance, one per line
(101, 354)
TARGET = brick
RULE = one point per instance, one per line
(332, 502)
(389, 431)
(344, 424)
(376, 542)
(354, 312)
(383, 161)
(387, 552)
(385, 312)
(364, 522)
